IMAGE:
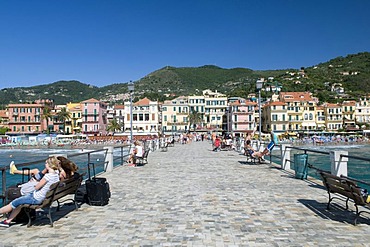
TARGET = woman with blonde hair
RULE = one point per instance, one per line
(66, 169)
(37, 196)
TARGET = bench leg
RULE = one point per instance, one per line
(58, 207)
(27, 210)
(330, 199)
(50, 218)
(357, 214)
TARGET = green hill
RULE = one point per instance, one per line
(352, 72)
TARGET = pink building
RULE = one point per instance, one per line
(27, 118)
(243, 118)
(94, 117)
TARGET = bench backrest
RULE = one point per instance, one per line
(49, 196)
(67, 187)
(357, 196)
(343, 186)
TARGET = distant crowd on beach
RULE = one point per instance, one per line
(332, 140)
(182, 138)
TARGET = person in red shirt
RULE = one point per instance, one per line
(217, 144)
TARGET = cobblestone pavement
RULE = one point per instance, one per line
(191, 196)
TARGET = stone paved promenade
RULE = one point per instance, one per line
(191, 196)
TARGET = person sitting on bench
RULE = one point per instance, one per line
(36, 197)
(137, 152)
(254, 153)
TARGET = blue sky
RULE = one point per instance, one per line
(114, 41)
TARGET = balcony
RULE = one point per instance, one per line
(177, 123)
(91, 121)
(182, 113)
(243, 113)
(244, 122)
(90, 114)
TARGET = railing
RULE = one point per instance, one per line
(279, 156)
(108, 158)
(340, 162)
(81, 159)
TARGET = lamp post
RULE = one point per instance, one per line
(259, 85)
(172, 123)
(131, 88)
(227, 120)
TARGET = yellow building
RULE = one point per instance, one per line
(175, 115)
(334, 117)
(74, 124)
(275, 117)
(301, 110)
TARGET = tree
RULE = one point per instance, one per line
(63, 115)
(114, 126)
(46, 114)
(195, 118)
(3, 130)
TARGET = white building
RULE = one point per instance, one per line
(145, 117)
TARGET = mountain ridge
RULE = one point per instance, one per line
(351, 71)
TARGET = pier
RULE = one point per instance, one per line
(191, 196)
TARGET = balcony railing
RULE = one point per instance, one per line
(90, 114)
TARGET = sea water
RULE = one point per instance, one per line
(357, 169)
(25, 155)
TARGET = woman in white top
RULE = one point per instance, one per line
(137, 152)
(36, 197)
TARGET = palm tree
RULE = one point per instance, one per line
(46, 114)
(195, 118)
(114, 125)
(63, 115)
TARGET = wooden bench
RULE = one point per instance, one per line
(144, 159)
(56, 192)
(250, 158)
(348, 189)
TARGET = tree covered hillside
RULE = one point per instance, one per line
(352, 73)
